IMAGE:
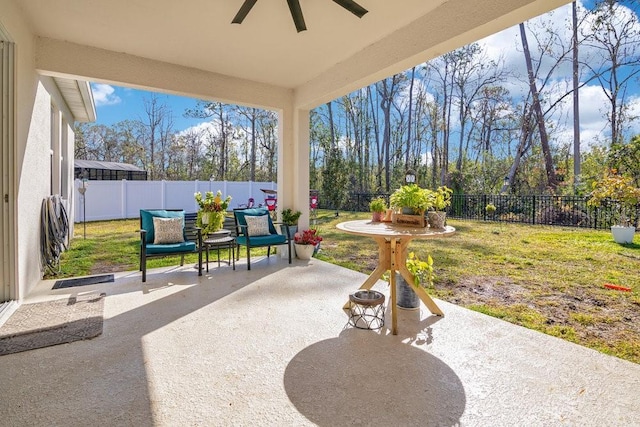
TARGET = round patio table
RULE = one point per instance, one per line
(393, 241)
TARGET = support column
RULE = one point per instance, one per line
(293, 162)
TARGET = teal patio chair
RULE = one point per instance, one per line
(254, 228)
(178, 236)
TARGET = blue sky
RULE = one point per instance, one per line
(115, 104)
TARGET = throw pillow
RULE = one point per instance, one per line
(257, 225)
(167, 230)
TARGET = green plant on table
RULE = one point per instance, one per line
(378, 205)
(413, 197)
(442, 198)
(211, 203)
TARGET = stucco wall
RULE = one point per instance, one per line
(26, 84)
(33, 187)
(70, 194)
(32, 150)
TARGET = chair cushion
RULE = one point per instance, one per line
(146, 220)
(257, 225)
(171, 248)
(241, 214)
(167, 230)
(272, 239)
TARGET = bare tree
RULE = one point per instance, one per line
(576, 99)
(615, 37)
(158, 124)
(387, 89)
(537, 108)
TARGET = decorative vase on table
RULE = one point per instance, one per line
(436, 219)
(211, 221)
(304, 251)
(213, 209)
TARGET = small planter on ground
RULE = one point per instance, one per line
(423, 276)
(625, 196)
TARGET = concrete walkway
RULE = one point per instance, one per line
(270, 347)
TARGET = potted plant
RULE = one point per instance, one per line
(377, 206)
(625, 196)
(409, 203)
(305, 243)
(212, 211)
(441, 199)
(422, 272)
(412, 199)
(290, 218)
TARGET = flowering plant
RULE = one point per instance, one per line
(212, 203)
(307, 237)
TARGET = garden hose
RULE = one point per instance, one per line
(54, 229)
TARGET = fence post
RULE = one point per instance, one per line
(483, 207)
(123, 199)
(533, 209)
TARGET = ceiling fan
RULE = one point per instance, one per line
(296, 11)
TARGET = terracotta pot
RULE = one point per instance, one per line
(376, 216)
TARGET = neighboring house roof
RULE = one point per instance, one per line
(95, 164)
(79, 98)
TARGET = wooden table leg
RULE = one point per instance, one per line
(393, 255)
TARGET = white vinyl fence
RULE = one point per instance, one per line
(124, 199)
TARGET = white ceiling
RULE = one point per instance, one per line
(338, 52)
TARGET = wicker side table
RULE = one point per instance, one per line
(366, 310)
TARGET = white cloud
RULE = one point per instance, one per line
(104, 94)
(203, 128)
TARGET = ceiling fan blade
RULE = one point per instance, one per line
(296, 14)
(352, 7)
(244, 11)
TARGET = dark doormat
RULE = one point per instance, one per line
(50, 323)
(83, 281)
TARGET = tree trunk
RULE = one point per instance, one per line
(544, 140)
(409, 122)
(522, 147)
(576, 104)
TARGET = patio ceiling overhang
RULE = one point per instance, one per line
(193, 49)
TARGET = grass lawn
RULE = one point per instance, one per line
(545, 278)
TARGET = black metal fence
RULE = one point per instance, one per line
(569, 211)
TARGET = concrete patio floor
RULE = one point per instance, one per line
(270, 346)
